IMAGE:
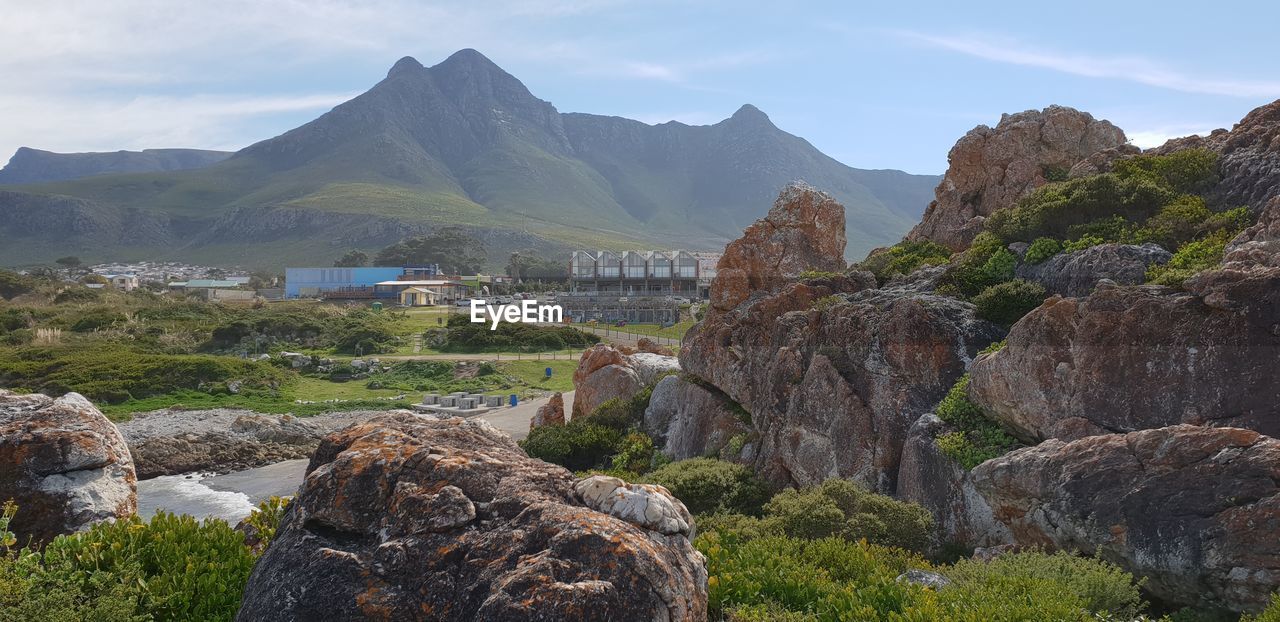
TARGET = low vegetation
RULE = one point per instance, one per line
(977, 438)
(466, 336)
(904, 258)
(1006, 303)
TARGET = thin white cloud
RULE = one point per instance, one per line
(1155, 137)
(1129, 68)
(209, 121)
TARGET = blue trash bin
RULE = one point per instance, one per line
(514, 400)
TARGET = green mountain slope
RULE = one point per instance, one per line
(459, 143)
(33, 165)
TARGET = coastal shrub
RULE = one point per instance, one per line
(1191, 258)
(1083, 242)
(579, 445)
(168, 568)
(1042, 249)
(465, 336)
(622, 414)
(1270, 614)
(782, 578)
(977, 438)
(1103, 587)
(1006, 303)
(76, 294)
(1051, 210)
(841, 508)
(115, 374)
(97, 319)
(364, 332)
(13, 284)
(1188, 171)
(635, 453)
(265, 520)
(985, 263)
(707, 485)
(905, 257)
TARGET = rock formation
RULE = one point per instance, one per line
(605, 372)
(250, 440)
(1077, 273)
(1131, 358)
(1195, 510)
(64, 463)
(406, 517)
(803, 231)
(689, 420)
(991, 168)
(939, 484)
(832, 370)
(1249, 157)
(551, 413)
(646, 344)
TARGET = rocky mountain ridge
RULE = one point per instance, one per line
(29, 165)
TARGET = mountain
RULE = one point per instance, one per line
(33, 165)
(460, 143)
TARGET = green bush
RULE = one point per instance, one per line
(265, 520)
(578, 445)
(1006, 303)
(1270, 614)
(1053, 209)
(170, 568)
(76, 294)
(781, 578)
(840, 508)
(1083, 242)
(1103, 588)
(97, 319)
(1186, 171)
(116, 374)
(905, 257)
(635, 453)
(707, 486)
(978, 438)
(985, 263)
(13, 284)
(465, 336)
(1041, 250)
(1191, 258)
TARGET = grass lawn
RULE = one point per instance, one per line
(675, 331)
(533, 373)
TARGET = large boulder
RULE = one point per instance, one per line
(1196, 510)
(65, 465)
(941, 485)
(1132, 358)
(833, 372)
(803, 231)
(689, 420)
(991, 168)
(217, 441)
(605, 372)
(1077, 273)
(409, 517)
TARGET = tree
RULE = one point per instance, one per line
(456, 251)
(69, 262)
(526, 264)
(353, 259)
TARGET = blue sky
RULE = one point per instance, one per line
(883, 85)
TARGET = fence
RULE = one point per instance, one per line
(621, 332)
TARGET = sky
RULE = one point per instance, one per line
(874, 85)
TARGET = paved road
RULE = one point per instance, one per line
(515, 421)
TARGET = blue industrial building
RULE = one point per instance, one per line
(312, 282)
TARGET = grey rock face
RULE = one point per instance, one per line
(688, 420)
(1195, 510)
(935, 481)
(64, 463)
(1076, 274)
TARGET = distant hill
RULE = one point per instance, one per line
(460, 143)
(33, 165)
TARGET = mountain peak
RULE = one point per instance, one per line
(750, 113)
(468, 57)
(403, 65)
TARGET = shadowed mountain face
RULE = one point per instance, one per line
(33, 165)
(460, 143)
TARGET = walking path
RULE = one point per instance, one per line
(515, 421)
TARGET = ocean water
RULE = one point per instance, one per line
(230, 497)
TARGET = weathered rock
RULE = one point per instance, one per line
(1249, 157)
(252, 440)
(991, 168)
(1132, 358)
(1195, 510)
(1102, 161)
(803, 231)
(925, 578)
(605, 372)
(939, 484)
(833, 378)
(688, 420)
(646, 344)
(406, 517)
(647, 505)
(65, 465)
(1076, 274)
(551, 413)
